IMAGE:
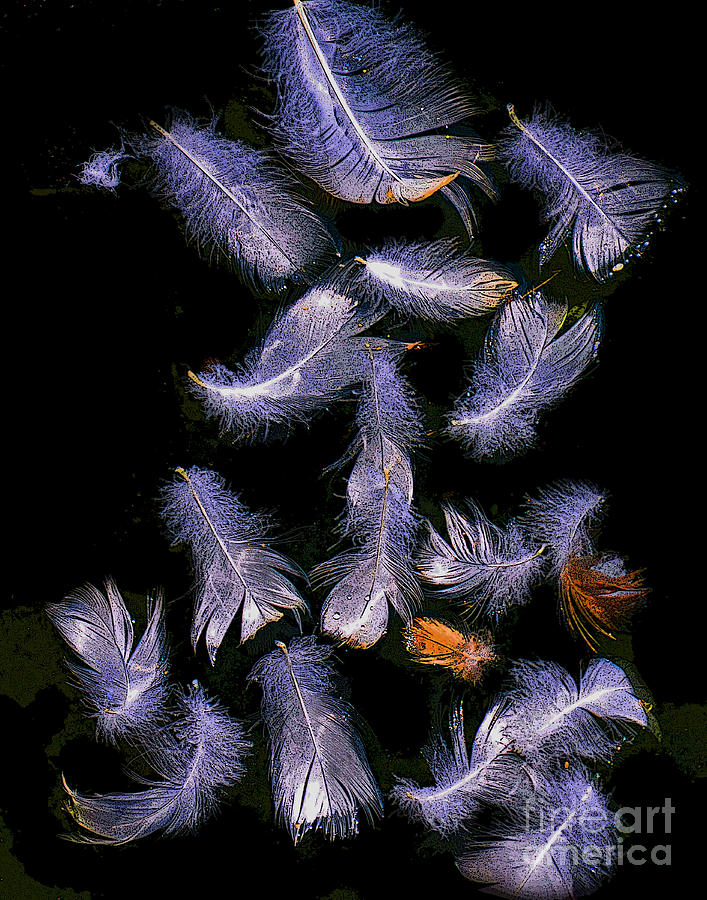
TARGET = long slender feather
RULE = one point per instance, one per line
(194, 761)
(435, 281)
(559, 844)
(380, 518)
(607, 202)
(124, 688)
(321, 779)
(236, 571)
(486, 568)
(364, 107)
(526, 366)
(237, 203)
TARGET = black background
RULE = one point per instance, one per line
(105, 308)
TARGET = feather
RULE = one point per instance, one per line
(434, 281)
(551, 715)
(432, 642)
(597, 594)
(364, 107)
(321, 779)
(487, 568)
(236, 203)
(194, 761)
(559, 844)
(526, 367)
(608, 202)
(102, 169)
(379, 518)
(490, 773)
(125, 689)
(236, 571)
(309, 356)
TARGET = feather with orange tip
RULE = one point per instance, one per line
(598, 594)
(433, 642)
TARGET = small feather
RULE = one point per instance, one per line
(559, 844)
(434, 281)
(486, 568)
(526, 366)
(321, 779)
(194, 761)
(125, 689)
(102, 170)
(236, 203)
(364, 107)
(605, 201)
(236, 571)
(432, 642)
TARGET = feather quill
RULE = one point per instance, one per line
(559, 844)
(526, 366)
(487, 568)
(490, 772)
(606, 201)
(124, 687)
(321, 778)
(364, 107)
(551, 715)
(380, 517)
(309, 356)
(236, 571)
(194, 761)
(435, 281)
(237, 204)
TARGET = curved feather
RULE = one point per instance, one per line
(201, 754)
(559, 844)
(608, 202)
(320, 775)
(435, 281)
(125, 689)
(550, 714)
(526, 366)
(488, 568)
(236, 572)
(364, 107)
(237, 203)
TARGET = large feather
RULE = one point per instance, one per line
(194, 761)
(236, 571)
(560, 844)
(550, 714)
(364, 106)
(379, 518)
(487, 568)
(607, 201)
(491, 772)
(435, 280)
(310, 354)
(320, 775)
(526, 366)
(237, 203)
(125, 689)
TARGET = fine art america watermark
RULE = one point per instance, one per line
(590, 836)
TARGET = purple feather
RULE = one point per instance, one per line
(487, 568)
(321, 779)
(237, 203)
(526, 366)
(102, 170)
(607, 202)
(194, 762)
(435, 281)
(364, 107)
(559, 844)
(124, 688)
(236, 572)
